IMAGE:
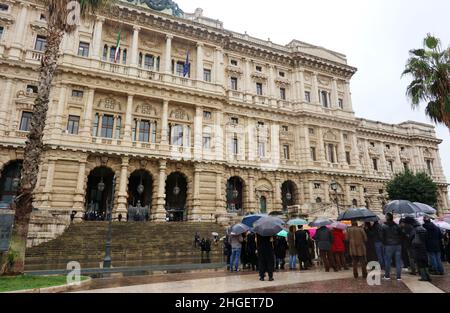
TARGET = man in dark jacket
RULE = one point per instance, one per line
(419, 250)
(266, 257)
(280, 252)
(392, 234)
(434, 238)
(301, 245)
(251, 251)
(408, 229)
(324, 240)
(379, 248)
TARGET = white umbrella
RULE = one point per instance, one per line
(442, 225)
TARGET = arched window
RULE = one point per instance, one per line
(263, 204)
(124, 57)
(177, 135)
(105, 52)
(355, 202)
(140, 59)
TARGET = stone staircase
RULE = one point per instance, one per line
(133, 244)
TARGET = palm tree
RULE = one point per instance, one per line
(58, 24)
(430, 70)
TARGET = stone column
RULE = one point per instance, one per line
(334, 93)
(50, 174)
(160, 213)
(383, 165)
(248, 81)
(219, 72)
(342, 157)
(314, 89)
(252, 141)
(168, 55)
(252, 207)
(220, 202)
(134, 57)
(200, 61)
(278, 202)
(5, 102)
(311, 192)
(78, 199)
(271, 92)
(20, 32)
(60, 110)
(198, 133)
(301, 85)
(196, 209)
(307, 147)
(97, 39)
(86, 132)
(398, 166)
(129, 119)
(219, 135)
(326, 187)
(347, 97)
(321, 148)
(165, 123)
(362, 199)
(122, 207)
(275, 142)
(355, 153)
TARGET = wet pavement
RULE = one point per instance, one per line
(443, 282)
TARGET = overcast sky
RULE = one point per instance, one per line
(376, 36)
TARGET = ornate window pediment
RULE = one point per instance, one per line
(331, 136)
(109, 104)
(179, 114)
(146, 109)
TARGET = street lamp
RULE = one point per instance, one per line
(176, 190)
(107, 259)
(334, 187)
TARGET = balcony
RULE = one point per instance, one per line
(149, 74)
(235, 95)
(34, 56)
(260, 100)
(284, 104)
(114, 68)
(233, 69)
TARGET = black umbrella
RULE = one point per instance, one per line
(356, 214)
(425, 208)
(268, 226)
(401, 207)
(238, 229)
(321, 221)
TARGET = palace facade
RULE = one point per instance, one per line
(247, 126)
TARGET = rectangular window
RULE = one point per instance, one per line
(234, 62)
(234, 120)
(405, 166)
(180, 68)
(317, 186)
(282, 74)
(25, 121)
(144, 131)
(258, 68)
(177, 135)
(4, 7)
(207, 141)
(235, 145)
(107, 126)
(207, 115)
(391, 166)
(1, 32)
(77, 93)
(286, 152)
(41, 43)
(347, 157)
(154, 127)
(32, 89)
(261, 149)
(352, 188)
(234, 83)
(308, 96)
(284, 128)
(430, 167)
(313, 153)
(375, 164)
(341, 103)
(311, 131)
(260, 124)
(324, 98)
(149, 62)
(259, 89)
(95, 125)
(283, 93)
(73, 124)
(83, 49)
(207, 75)
(330, 148)
(388, 147)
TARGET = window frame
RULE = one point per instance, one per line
(27, 119)
(73, 123)
(41, 41)
(82, 49)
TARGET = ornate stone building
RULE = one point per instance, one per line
(248, 126)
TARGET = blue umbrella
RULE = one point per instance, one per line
(250, 220)
(238, 229)
(283, 233)
(425, 208)
(297, 222)
(268, 226)
(321, 221)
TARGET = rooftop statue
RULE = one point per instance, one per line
(160, 5)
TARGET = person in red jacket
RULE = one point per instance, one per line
(338, 249)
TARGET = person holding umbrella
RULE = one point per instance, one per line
(418, 240)
(338, 247)
(392, 234)
(292, 248)
(251, 251)
(434, 237)
(357, 239)
(324, 239)
(266, 256)
(301, 245)
(280, 247)
(236, 240)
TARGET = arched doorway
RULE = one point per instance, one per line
(99, 193)
(235, 194)
(176, 195)
(288, 194)
(9, 183)
(140, 191)
(263, 204)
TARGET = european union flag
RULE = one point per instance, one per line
(187, 65)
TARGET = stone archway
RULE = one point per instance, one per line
(176, 197)
(235, 194)
(9, 183)
(99, 191)
(140, 188)
(289, 194)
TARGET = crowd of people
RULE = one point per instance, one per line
(407, 244)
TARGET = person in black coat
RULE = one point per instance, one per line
(371, 254)
(301, 243)
(251, 251)
(419, 250)
(280, 252)
(433, 242)
(244, 255)
(227, 250)
(266, 256)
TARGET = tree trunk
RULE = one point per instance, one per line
(33, 150)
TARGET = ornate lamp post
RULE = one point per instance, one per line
(107, 259)
(334, 187)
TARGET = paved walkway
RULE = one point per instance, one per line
(238, 282)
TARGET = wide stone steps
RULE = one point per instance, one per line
(132, 244)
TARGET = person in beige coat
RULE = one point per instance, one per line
(357, 243)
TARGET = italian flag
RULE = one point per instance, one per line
(117, 55)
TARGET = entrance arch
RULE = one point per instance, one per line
(176, 196)
(99, 193)
(140, 188)
(9, 183)
(288, 194)
(235, 194)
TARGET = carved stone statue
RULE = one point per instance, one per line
(161, 5)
